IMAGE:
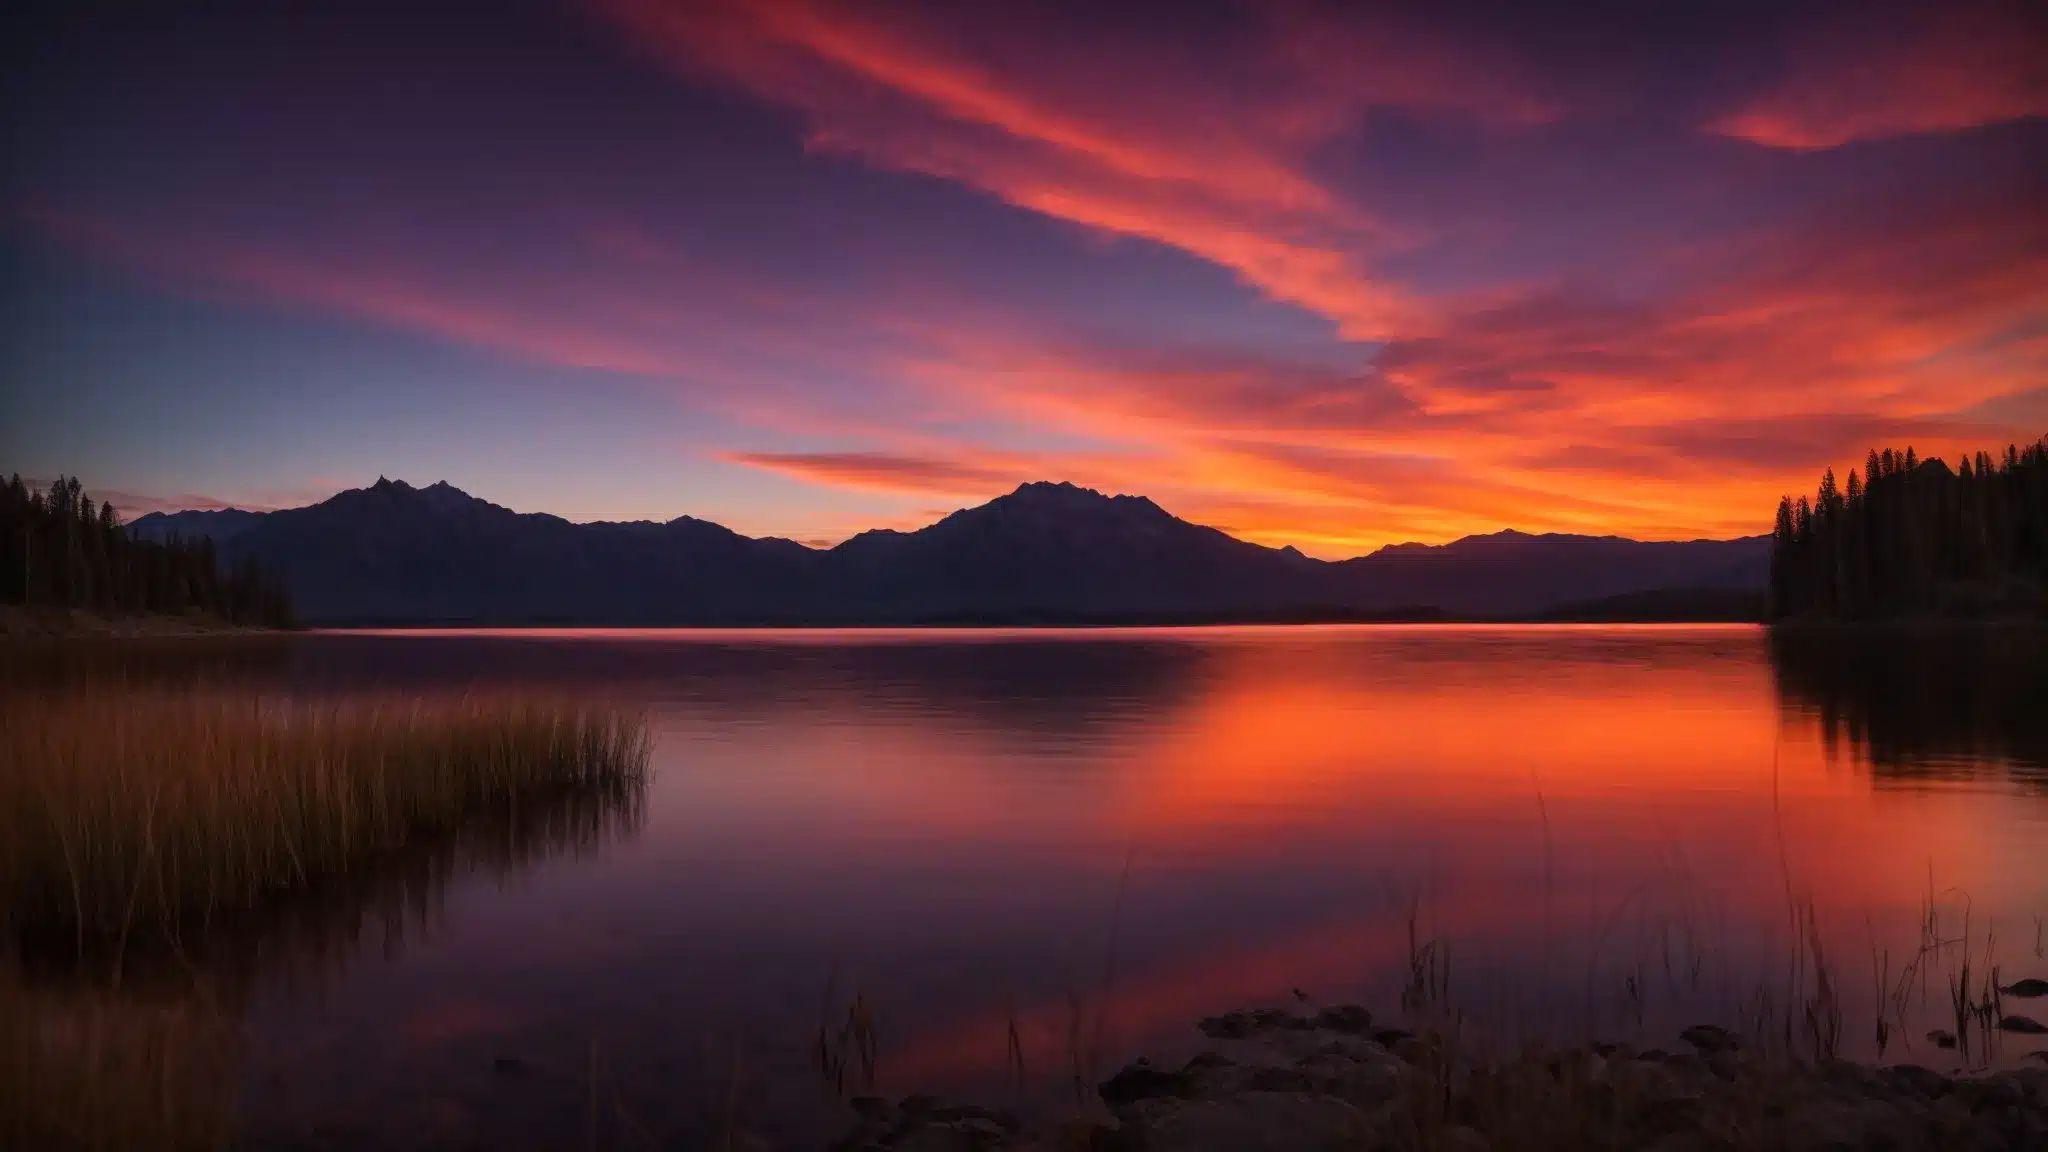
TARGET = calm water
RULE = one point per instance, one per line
(1102, 835)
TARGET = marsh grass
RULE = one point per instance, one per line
(130, 813)
(154, 1061)
(86, 1068)
(161, 850)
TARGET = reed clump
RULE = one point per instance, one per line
(126, 812)
(88, 1069)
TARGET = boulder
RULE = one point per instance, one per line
(1250, 1122)
(1710, 1038)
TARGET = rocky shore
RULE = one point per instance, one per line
(1276, 1081)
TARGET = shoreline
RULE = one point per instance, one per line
(1281, 1081)
(21, 623)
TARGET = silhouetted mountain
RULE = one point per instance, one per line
(1045, 553)
(1514, 574)
(1068, 552)
(220, 526)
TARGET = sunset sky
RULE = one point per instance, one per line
(1318, 274)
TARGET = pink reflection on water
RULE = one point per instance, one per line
(1165, 823)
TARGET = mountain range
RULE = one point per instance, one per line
(1048, 553)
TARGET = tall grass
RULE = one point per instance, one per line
(130, 811)
(85, 1068)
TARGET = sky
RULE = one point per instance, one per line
(1328, 275)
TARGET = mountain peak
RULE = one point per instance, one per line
(1046, 551)
(1066, 493)
(445, 497)
(439, 497)
(1512, 536)
(1057, 489)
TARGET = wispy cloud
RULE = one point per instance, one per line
(1211, 155)
(884, 472)
(1441, 282)
(1874, 75)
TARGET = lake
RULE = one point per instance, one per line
(1022, 852)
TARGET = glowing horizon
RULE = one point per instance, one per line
(1314, 276)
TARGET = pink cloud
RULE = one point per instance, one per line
(1131, 138)
(1857, 79)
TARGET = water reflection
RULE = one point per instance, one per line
(980, 831)
(1923, 704)
(141, 1042)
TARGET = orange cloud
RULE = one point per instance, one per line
(1674, 393)
(1960, 68)
(1560, 405)
(1569, 410)
(884, 472)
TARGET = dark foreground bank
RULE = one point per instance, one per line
(1283, 1082)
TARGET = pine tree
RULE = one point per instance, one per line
(1911, 537)
(57, 549)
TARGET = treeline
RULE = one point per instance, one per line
(58, 551)
(1913, 537)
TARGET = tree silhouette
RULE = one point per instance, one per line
(58, 550)
(1911, 537)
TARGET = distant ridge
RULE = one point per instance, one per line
(1046, 553)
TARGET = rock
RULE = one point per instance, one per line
(1351, 1019)
(1142, 1081)
(1279, 1081)
(1684, 1063)
(1677, 1112)
(1986, 1135)
(1920, 1081)
(1837, 1124)
(2027, 989)
(1229, 1026)
(1727, 1064)
(1084, 1135)
(1286, 1047)
(1942, 1038)
(961, 1136)
(1250, 1122)
(2023, 1025)
(1238, 1025)
(923, 1125)
(1646, 1079)
(1709, 1038)
(974, 1114)
(1416, 1051)
(1683, 1142)
(1462, 1139)
(1371, 1080)
(1991, 1094)
(1388, 1037)
(1862, 1078)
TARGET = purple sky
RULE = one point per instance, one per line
(1328, 275)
